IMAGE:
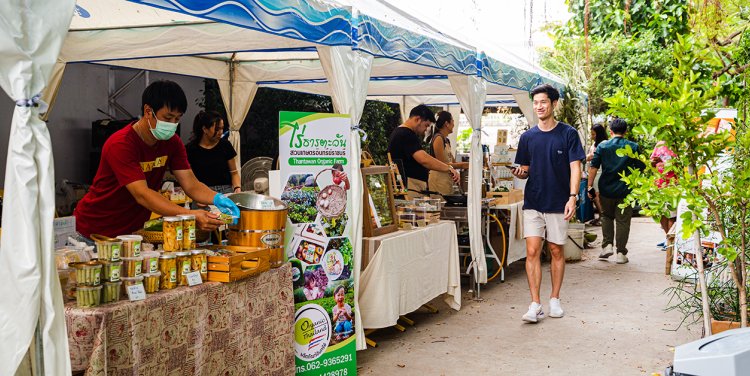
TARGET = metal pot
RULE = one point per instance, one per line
(261, 224)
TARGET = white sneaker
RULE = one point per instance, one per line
(555, 310)
(606, 252)
(534, 314)
(621, 258)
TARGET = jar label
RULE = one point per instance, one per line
(114, 273)
(97, 276)
(115, 252)
(204, 266)
(136, 249)
(179, 233)
(173, 275)
(138, 267)
(185, 267)
(192, 233)
(153, 265)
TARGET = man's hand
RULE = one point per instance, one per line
(206, 220)
(455, 175)
(520, 173)
(591, 192)
(570, 208)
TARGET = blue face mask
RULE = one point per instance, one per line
(164, 130)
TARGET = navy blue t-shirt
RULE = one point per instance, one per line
(548, 155)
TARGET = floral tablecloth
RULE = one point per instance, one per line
(245, 327)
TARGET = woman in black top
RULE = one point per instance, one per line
(212, 157)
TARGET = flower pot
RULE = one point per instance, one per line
(718, 326)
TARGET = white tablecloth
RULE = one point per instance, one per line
(516, 242)
(409, 269)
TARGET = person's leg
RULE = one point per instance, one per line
(534, 266)
(622, 232)
(557, 268)
(557, 235)
(608, 218)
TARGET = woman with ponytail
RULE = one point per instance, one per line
(211, 156)
(440, 148)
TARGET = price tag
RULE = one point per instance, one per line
(136, 292)
(266, 204)
(194, 278)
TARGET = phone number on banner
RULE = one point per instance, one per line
(328, 363)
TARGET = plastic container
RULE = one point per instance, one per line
(111, 270)
(150, 262)
(111, 292)
(88, 296)
(184, 265)
(188, 231)
(130, 281)
(132, 266)
(199, 262)
(88, 273)
(151, 282)
(168, 270)
(131, 245)
(172, 233)
(109, 250)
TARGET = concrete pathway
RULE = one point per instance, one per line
(614, 323)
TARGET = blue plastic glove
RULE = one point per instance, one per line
(227, 206)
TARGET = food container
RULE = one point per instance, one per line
(109, 250)
(183, 267)
(130, 281)
(88, 273)
(262, 221)
(150, 262)
(168, 270)
(132, 266)
(199, 263)
(151, 282)
(172, 233)
(111, 292)
(188, 231)
(131, 245)
(88, 296)
(112, 270)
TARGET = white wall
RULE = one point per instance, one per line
(84, 90)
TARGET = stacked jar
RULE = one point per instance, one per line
(168, 270)
(110, 252)
(199, 263)
(188, 231)
(132, 261)
(172, 234)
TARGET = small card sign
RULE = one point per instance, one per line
(136, 292)
(194, 278)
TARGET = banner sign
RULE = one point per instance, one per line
(315, 161)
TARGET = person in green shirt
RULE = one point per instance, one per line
(612, 190)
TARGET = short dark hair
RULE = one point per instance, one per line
(339, 287)
(164, 93)
(442, 118)
(548, 89)
(618, 126)
(423, 112)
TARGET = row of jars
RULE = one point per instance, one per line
(179, 233)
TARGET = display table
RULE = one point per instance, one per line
(245, 327)
(516, 241)
(409, 269)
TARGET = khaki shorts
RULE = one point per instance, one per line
(415, 185)
(550, 226)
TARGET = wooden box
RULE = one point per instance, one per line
(237, 263)
(505, 198)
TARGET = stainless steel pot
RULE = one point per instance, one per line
(261, 224)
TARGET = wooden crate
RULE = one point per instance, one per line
(505, 198)
(238, 263)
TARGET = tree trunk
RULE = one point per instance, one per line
(701, 274)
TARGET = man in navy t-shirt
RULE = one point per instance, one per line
(549, 155)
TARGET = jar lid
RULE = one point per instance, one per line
(186, 216)
(182, 253)
(89, 288)
(85, 264)
(168, 255)
(139, 258)
(118, 283)
(154, 274)
(172, 219)
(106, 262)
(198, 251)
(136, 278)
(130, 237)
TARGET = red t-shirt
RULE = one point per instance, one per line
(108, 208)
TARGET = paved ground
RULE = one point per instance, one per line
(615, 324)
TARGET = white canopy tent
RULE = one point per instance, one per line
(352, 52)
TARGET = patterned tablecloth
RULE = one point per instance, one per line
(237, 328)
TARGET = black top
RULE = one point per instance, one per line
(210, 165)
(402, 145)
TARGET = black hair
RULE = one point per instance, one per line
(618, 126)
(203, 119)
(442, 118)
(340, 287)
(601, 134)
(423, 112)
(164, 93)
(548, 89)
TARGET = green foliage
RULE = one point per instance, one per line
(464, 140)
(572, 110)
(607, 18)
(379, 119)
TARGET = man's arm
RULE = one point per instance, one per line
(430, 163)
(194, 188)
(575, 178)
(153, 201)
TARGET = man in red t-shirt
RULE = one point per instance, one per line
(133, 163)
